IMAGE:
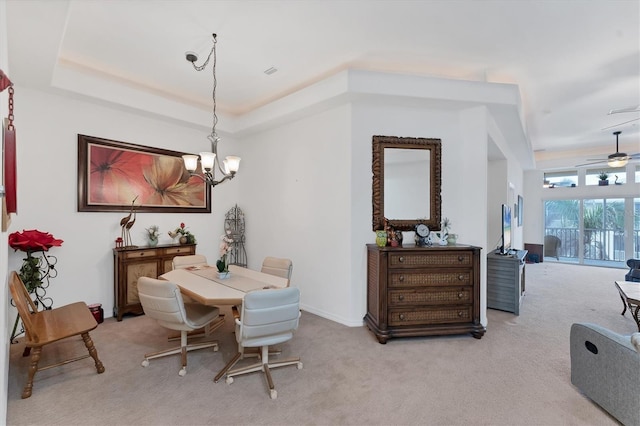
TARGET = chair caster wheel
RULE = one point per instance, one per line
(229, 380)
(145, 363)
(299, 366)
(182, 372)
(273, 394)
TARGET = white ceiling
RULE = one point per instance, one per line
(573, 61)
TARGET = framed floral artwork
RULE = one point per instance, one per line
(113, 176)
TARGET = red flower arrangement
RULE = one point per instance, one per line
(35, 271)
(33, 240)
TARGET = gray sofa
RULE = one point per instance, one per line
(605, 367)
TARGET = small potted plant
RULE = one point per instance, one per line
(603, 176)
(153, 232)
(186, 237)
(225, 248)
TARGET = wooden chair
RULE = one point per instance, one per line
(49, 326)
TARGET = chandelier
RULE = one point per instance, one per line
(209, 160)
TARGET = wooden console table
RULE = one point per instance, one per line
(132, 263)
(630, 295)
(423, 291)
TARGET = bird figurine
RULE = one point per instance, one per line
(128, 230)
(126, 223)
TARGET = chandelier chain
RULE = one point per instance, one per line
(213, 162)
(213, 137)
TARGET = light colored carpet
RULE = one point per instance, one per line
(517, 374)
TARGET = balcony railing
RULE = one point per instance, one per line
(599, 244)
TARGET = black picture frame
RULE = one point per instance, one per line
(520, 209)
(112, 174)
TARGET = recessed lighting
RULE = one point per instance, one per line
(270, 71)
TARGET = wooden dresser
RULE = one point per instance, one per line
(423, 291)
(132, 263)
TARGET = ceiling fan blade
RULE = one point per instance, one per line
(627, 109)
(620, 124)
(591, 163)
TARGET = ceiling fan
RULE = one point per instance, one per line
(617, 159)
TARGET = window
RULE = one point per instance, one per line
(558, 179)
(603, 222)
(617, 175)
(592, 231)
(562, 220)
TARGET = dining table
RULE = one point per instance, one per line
(206, 285)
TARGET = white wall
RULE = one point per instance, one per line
(496, 196)
(506, 183)
(47, 127)
(296, 197)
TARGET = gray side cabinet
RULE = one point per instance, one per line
(505, 281)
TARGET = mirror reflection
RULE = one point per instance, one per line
(406, 171)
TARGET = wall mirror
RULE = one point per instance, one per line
(406, 182)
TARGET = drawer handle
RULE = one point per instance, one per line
(460, 258)
(141, 254)
(460, 295)
(401, 297)
(401, 317)
(460, 277)
(401, 278)
(401, 259)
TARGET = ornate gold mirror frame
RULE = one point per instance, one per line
(420, 185)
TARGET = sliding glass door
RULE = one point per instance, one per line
(562, 221)
(603, 222)
(602, 231)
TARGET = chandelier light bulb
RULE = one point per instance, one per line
(190, 162)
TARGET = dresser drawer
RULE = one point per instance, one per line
(435, 315)
(400, 278)
(442, 259)
(180, 250)
(141, 254)
(448, 296)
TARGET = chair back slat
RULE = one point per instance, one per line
(25, 306)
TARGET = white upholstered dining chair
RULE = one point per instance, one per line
(162, 301)
(181, 262)
(277, 266)
(268, 317)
